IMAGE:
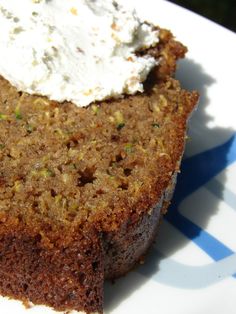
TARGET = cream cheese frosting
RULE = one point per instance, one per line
(74, 50)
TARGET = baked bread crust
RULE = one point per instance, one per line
(82, 189)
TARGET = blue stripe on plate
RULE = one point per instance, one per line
(195, 172)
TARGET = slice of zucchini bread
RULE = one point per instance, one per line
(82, 189)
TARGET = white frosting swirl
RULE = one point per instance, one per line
(74, 50)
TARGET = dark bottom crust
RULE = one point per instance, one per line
(77, 273)
(28, 272)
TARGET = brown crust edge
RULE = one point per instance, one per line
(126, 247)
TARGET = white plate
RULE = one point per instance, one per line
(192, 267)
